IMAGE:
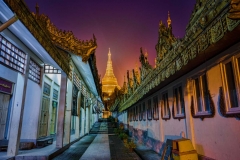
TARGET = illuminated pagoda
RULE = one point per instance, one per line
(109, 81)
(109, 86)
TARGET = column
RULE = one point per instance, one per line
(68, 114)
(61, 111)
(17, 112)
(77, 130)
(87, 119)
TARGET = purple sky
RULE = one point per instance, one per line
(122, 25)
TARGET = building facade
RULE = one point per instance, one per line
(193, 92)
(45, 93)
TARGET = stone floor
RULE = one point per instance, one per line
(104, 146)
(98, 149)
(101, 146)
(119, 151)
(76, 150)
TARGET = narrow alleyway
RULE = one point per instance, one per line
(100, 144)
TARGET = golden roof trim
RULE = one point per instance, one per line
(66, 39)
(181, 52)
(23, 13)
(234, 12)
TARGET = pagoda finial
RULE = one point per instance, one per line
(37, 9)
(109, 54)
(169, 19)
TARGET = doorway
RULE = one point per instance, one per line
(53, 117)
(44, 117)
(4, 103)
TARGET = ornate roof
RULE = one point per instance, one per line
(209, 32)
(66, 40)
(57, 43)
(23, 13)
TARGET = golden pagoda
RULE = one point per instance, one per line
(109, 81)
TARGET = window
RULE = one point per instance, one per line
(46, 89)
(133, 112)
(11, 56)
(155, 108)
(230, 76)
(143, 111)
(165, 111)
(201, 96)
(55, 94)
(51, 70)
(178, 103)
(74, 100)
(136, 113)
(34, 71)
(149, 110)
(130, 115)
(140, 112)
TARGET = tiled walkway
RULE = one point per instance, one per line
(119, 151)
(102, 146)
(76, 150)
(99, 149)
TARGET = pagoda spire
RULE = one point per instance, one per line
(109, 69)
(169, 21)
(37, 9)
(109, 81)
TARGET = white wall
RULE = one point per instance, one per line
(217, 137)
(31, 111)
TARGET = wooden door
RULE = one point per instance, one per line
(53, 118)
(44, 117)
(4, 102)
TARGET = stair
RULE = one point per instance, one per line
(99, 128)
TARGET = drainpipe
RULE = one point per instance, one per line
(8, 23)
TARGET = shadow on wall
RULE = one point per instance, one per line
(144, 137)
(221, 108)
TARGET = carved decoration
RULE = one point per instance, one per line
(165, 41)
(202, 42)
(22, 12)
(194, 51)
(222, 106)
(179, 63)
(185, 58)
(217, 32)
(144, 60)
(66, 39)
(207, 25)
(231, 24)
(234, 12)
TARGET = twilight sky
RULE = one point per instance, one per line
(121, 25)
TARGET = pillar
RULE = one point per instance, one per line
(61, 111)
(68, 114)
(77, 130)
(17, 112)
